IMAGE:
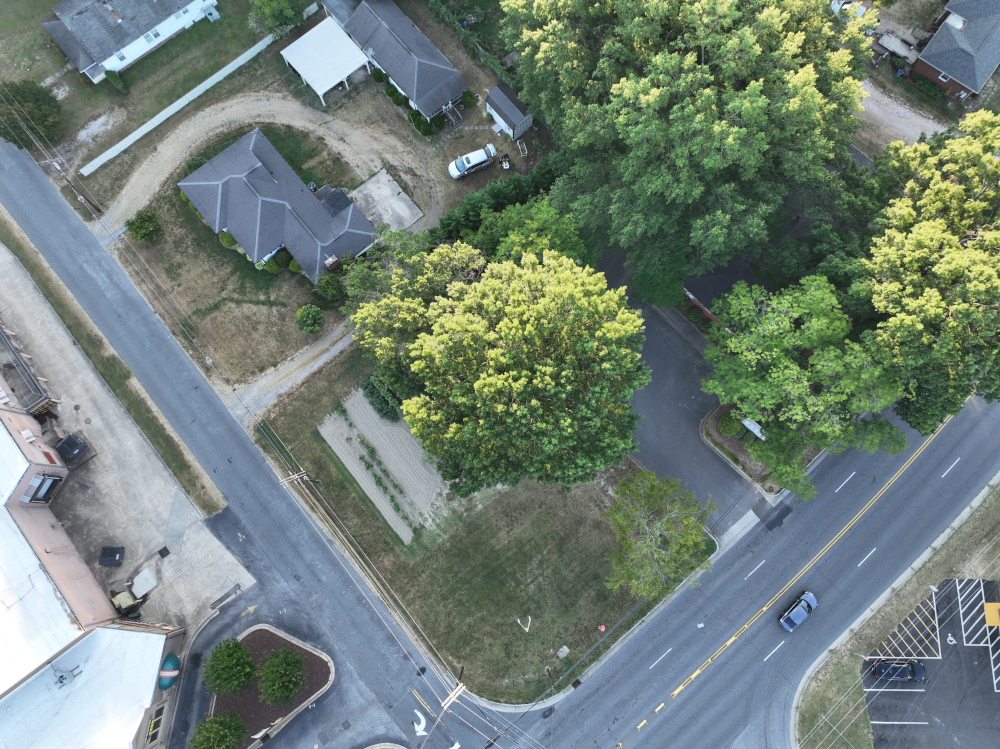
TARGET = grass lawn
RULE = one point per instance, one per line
(834, 695)
(242, 316)
(531, 550)
(155, 81)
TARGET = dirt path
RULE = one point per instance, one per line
(261, 392)
(885, 118)
(361, 134)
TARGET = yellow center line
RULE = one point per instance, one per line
(833, 541)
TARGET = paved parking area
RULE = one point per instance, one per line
(958, 703)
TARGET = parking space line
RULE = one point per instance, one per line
(970, 610)
(899, 722)
(892, 689)
(916, 635)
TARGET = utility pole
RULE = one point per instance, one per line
(449, 700)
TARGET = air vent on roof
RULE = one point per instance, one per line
(28, 436)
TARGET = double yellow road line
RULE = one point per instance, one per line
(833, 541)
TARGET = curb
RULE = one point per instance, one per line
(502, 707)
(936, 544)
(728, 460)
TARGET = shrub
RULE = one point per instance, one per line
(281, 676)
(229, 667)
(271, 266)
(378, 76)
(437, 122)
(927, 86)
(381, 399)
(144, 226)
(227, 239)
(309, 319)
(115, 80)
(730, 424)
(224, 731)
(259, 265)
(395, 94)
(294, 266)
(418, 121)
(283, 258)
(469, 99)
(194, 165)
(330, 286)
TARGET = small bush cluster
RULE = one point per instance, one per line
(378, 76)
(395, 94)
(927, 86)
(227, 239)
(375, 462)
(281, 676)
(469, 99)
(229, 667)
(144, 226)
(417, 120)
(294, 267)
(224, 731)
(116, 80)
(730, 424)
(309, 319)
(381, 399)
(195, 164)
(271, 266)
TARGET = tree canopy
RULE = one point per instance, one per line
(689, 123)
(661, 534)
(527, 368)
(934, 272)
(786, 361)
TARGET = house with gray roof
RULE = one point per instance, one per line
(102, 35)
(250, 191)
(965, 50)
(397, 47)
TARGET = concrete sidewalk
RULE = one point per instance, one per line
(176, 107)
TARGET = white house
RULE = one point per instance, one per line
(102, 35)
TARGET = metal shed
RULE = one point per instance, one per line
(324, 57)
(510, 112)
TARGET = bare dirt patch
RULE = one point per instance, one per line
(371, 446)
(885, 119)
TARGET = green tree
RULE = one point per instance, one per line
(786, 362)
(270, 15)
(281, 676)
(25, 105)
(688, 123)
(528, 373)
(229, 667)
(309, 319)
(934, 273)
(661, 535)
(224, 731)
(144, 226)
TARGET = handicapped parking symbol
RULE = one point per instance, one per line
(951, 640)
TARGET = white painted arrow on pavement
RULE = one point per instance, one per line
(420, 726)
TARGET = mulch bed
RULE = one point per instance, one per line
(257, 714)
(735, 448)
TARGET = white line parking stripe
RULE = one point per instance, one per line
(888, 689)
(899, 722)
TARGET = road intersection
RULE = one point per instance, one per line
(711, 669)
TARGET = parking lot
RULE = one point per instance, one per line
(957, 703)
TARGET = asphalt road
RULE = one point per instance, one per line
(743, 699)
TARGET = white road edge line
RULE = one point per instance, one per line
(845, 481)
(660, 658)
(755, 568)
(879, 689)
(899, 722)
(775, 650)
(866, 557)
(950, 467)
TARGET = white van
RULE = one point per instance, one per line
(463, 166)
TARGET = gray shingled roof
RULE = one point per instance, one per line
(504, 102)
(972, 54)
(253, 192)
(401, 49)
(88, 28)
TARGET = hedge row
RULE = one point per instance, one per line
(381, 399)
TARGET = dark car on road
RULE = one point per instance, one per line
(898, 670)
(804, 605)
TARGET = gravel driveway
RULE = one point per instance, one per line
(885, 119)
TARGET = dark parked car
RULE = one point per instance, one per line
(804, 605)
(898, 670)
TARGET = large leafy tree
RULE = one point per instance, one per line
(689, 122)
(26, 106)
(786, 361)
(935, 270)
(661, 535)
(527, 371)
